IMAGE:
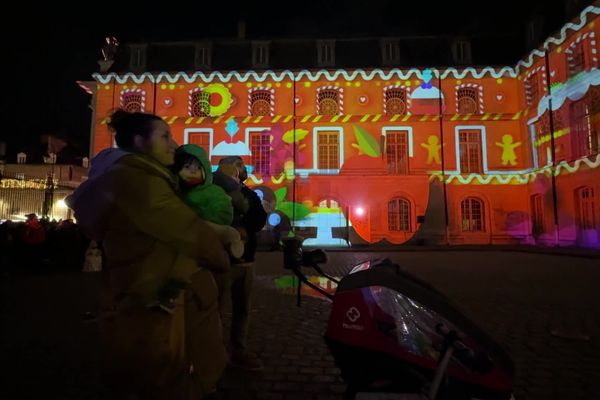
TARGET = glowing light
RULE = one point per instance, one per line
(61, 204)
(24, 184)
(360, 211)
(274, 219)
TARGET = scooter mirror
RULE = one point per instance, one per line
(292, 252)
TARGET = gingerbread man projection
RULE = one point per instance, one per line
(433, 147)
(508, 150)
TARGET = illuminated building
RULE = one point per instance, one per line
(456, 155)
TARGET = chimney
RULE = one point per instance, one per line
(461, 51)
(534, 31)
(573, 7)
(242, 29)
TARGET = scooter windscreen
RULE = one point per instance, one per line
(381, 312)
(415, 329)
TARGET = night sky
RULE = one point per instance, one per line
(50, 48)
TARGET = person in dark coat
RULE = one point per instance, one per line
(249, 220)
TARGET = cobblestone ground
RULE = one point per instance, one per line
(543, 308)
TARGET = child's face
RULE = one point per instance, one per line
(192, 173)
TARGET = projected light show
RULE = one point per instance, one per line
(494, 155)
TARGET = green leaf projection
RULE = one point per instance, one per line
(280, 194)
(294, 211)
(288, 137)
(367, 144)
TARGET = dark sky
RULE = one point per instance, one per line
(50, 48)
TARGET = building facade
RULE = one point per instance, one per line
(458, 155)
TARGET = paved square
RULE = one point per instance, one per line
(543, 308)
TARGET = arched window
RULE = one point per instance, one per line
(395, 101)
(586, 214)
(582, 54)
(533, 89)
(328, 102)
(577, 58)
(199, 105)
(260, 103)
(472, 215)
(537, 214)
(468, 100)
(399, 218)
(133, 100)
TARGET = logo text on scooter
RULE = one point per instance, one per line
(353, 314)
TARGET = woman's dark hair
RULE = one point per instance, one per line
(127, 125)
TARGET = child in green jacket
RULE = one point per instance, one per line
(208, 200)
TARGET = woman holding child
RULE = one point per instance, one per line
(163, 336)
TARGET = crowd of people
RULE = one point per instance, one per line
(41, 245)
